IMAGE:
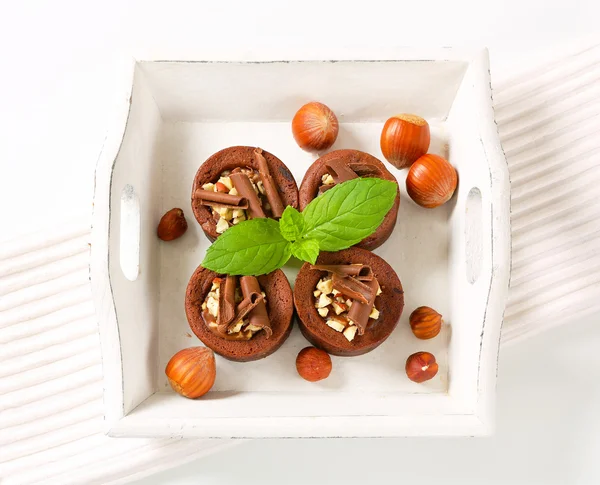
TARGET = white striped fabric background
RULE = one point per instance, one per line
(50, 372)
(549, 123)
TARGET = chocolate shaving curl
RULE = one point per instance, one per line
(325, 188)
(245, 307)
(359, 311)
(226, 303)
(272, 193)
(220, 199)
(362, 272)
(258, 316)
(244, 187)
(229, 316)
(352, 288)
(364, 169)
(340, 170)
(212, 325)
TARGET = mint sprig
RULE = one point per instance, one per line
(349, 212)
(341, 217)
(291, 224)
(306, 250)
(251, 247)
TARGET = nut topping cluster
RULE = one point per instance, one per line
(238, 329)
(335, 307)
(226, 217)
(339, 171)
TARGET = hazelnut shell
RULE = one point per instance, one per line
(313, 364)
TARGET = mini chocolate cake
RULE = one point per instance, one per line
(343, 165)
(239, 183)
(349, 302)
(241, 318)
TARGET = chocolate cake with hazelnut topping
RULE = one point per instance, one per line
(349, 302)
(239, 183)
(343, 165)
(241, 318)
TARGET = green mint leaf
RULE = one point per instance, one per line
(291, 224)
(251, 247)
(306, 250)
(349, 212)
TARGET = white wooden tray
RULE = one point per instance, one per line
(455, 258)
(47, 451)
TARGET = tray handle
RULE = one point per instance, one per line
(473, 235)
(129, 238)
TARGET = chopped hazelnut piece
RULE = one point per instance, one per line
(325, 285)
(348, 302)
(327, 179)
(335, 292)
(323, 311)
(350, 332)
(210, 187)
(317, 293)
(338, 308)
(324, 300)
(379, 292)
(374, 314)
(233, 191)
(213, 306)
(261, 187)
(335, 324)
(236, 328)
(226, 181)
(239, 213)
(224, 212)
(222, 226)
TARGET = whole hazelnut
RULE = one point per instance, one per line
(421, 367)
(315, 127)
(313, 364)
(431, 181)
(172, 225)
(425, 322)
(404, 139)
(192, 372)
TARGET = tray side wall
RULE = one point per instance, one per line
(102, 291)
(137, 170)
(212, 91)
(501, 247)
(129, 351)
(483, 291)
